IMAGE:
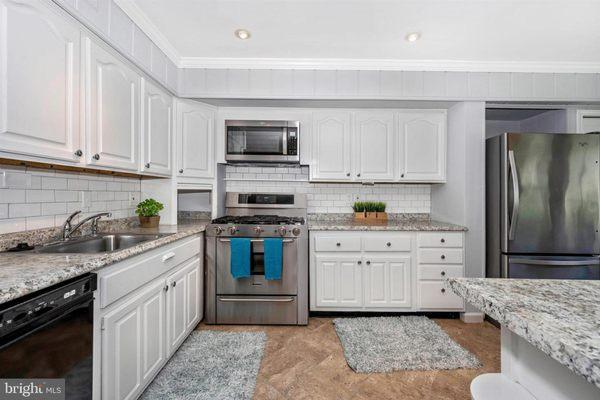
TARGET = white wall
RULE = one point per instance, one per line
(462, 199)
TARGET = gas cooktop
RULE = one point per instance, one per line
(259, 220)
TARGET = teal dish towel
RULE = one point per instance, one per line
(240, 257)
(273, 258)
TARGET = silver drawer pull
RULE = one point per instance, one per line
(443, 273)
(443, 257)
(255, 300)
(443, 240)
(257, 240)
(168, 256)
(388, 244)
(443, 290)
(338, 244)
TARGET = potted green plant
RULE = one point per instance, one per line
(147, 212)
(369, 210)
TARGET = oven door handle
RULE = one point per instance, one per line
(256, 300)
(258, 240)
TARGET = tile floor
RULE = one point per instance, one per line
(308, 363)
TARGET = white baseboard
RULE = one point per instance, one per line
(471, 317)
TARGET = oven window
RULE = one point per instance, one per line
(257, 260)
(255, 140)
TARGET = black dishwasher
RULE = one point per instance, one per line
(49, 334)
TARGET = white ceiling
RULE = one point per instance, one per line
(488, 35)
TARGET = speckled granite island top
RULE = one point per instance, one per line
(391, 225)
(559, 317)
(25, 272)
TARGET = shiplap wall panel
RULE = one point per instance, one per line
(260, 82)
(120, 30)
(172, 78)
(158, 64)
(142, 49)
(419, 85)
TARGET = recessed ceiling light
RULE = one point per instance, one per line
(242, 34)
(413, 36)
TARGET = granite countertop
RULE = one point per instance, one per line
(390, 225)
(25, 272)
(559, 317)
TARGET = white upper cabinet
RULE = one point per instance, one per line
(422, 146)
(157, 117)
(39, 81)
(195, 140)
(112, 110)
(331, 146)
(374, 146)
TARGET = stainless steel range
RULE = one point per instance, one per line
(256, 300)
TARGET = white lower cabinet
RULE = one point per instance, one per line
(384, 271)
(338, 281)
(140, 331)
(387, 281)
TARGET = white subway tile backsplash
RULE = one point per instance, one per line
(328, 197)
(39, 198)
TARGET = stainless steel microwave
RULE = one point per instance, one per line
(262, 141)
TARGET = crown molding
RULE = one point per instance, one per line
(136, 14)
(388, 65)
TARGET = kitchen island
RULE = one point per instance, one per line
(550, 337)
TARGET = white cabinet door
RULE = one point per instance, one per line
(195, 140)
(39, 81)
(331, 146)
(133, 346)
(387, 281)
(422, 146)
(157, 107)
(193, 294)
(177, 313)
(374, 146)
(338, 281)
(112, 110)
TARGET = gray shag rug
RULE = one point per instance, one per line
(211, 365)
(385, 344)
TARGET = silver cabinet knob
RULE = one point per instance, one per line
(147, 165)
(79, 153)
(166, 288)
(401, 175)
(359, 262)
(338, 244)
(368, 262)
(181, 171)
(388, 244)
(443, 290)
(443, 273)
(443, 240)
(443, 257)
(348, 174)
(174, 283)
(358, 175)
(96, 156)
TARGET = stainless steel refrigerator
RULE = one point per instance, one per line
(542, 214)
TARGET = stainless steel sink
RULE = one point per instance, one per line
(102, 243)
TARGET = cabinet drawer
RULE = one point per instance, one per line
(440, 271)
(337, 243)
(386, 243)
(440, 256)
(435, 295)
(132, 274)
(441, 239)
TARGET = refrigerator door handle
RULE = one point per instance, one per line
(557, 263)
(515, 206)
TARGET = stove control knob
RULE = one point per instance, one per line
(282, 230)
(232, 230)
(218, 230)
(258, 230)
(296, 231)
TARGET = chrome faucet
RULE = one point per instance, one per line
(68, 229)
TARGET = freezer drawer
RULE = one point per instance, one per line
(549, 267)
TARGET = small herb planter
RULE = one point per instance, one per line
(147, 212)
(149, 222)
(370, 212)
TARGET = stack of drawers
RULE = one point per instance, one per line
(440, 256)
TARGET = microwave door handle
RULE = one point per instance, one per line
(515, 181)
(284, 141)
